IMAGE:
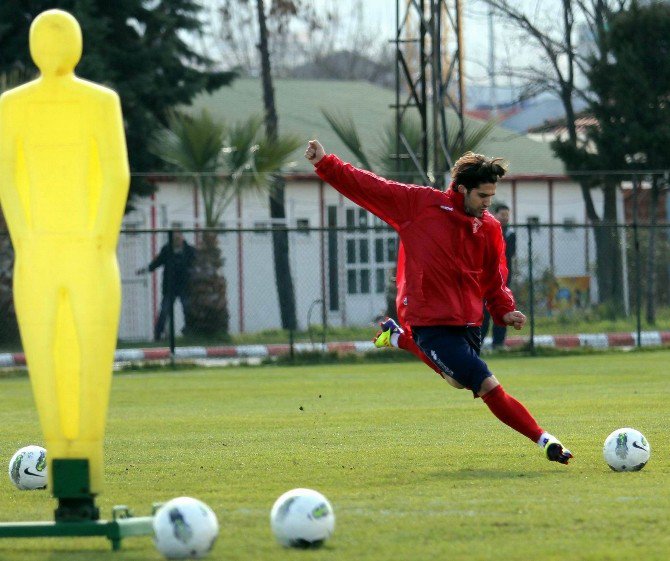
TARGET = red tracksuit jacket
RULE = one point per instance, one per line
(451, 261)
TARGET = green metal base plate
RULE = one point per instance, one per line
(123, 525)
(77, 514)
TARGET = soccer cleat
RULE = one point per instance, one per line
(383, 337)
(555, 452)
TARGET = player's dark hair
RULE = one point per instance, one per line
(471, 170)
(501, 206)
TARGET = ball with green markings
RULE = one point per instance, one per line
(28, 468)
(302, 518)
(626, 449)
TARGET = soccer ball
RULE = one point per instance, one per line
(28, 468)
(302, 518)
(185, 528)
(626, 449)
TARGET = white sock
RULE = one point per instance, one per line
(546, 437)
(394, 339)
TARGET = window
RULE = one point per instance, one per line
(333, 277)
(302, 225)
(351, 219)
(379, 250)
(390, 249)
(368, 240)
(363, 253)
(363, 219)
(351, 251)
(380, 280)
(365, 281)
(351, 281)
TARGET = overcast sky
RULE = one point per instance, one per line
(380, 16)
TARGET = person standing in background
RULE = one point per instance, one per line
(500, 331)
(177, 261)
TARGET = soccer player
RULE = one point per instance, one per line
(451, 258)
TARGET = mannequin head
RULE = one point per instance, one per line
(55, 43)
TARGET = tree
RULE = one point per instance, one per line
(633, 131)
(275, 36)
(349, 64)
(222, 161)
(561, 64)
(382, 160)
(280, 245)
(306, 41)
(137, 48)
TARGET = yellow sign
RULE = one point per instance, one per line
(570, 293)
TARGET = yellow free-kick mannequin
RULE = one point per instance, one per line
(63, 187)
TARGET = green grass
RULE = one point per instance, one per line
(415, 470)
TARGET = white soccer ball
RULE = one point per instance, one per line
(626, 449)
(28, 468)
(302, 518)
(185, 528)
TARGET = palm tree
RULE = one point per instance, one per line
(222, 160)
(403, 169)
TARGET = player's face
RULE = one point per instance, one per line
(478, 199)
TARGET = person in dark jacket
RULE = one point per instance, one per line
(177, 261)
(451, 259)
(500, 331)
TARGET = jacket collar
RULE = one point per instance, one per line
(458, 201)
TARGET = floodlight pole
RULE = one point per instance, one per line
(429, 61)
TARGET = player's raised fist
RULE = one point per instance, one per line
(314, 151)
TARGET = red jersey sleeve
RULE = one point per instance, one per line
(391, 201)
(499, 298)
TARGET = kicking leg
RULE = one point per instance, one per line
(512, 412)
(456, 352)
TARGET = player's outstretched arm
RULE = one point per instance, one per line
(391, 201)
(314, 152)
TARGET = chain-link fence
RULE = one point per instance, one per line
(568, 278)
(607, 278)
(340, 279)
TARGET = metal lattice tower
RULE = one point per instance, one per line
(429, 80)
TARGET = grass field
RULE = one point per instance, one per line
(415, 470)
